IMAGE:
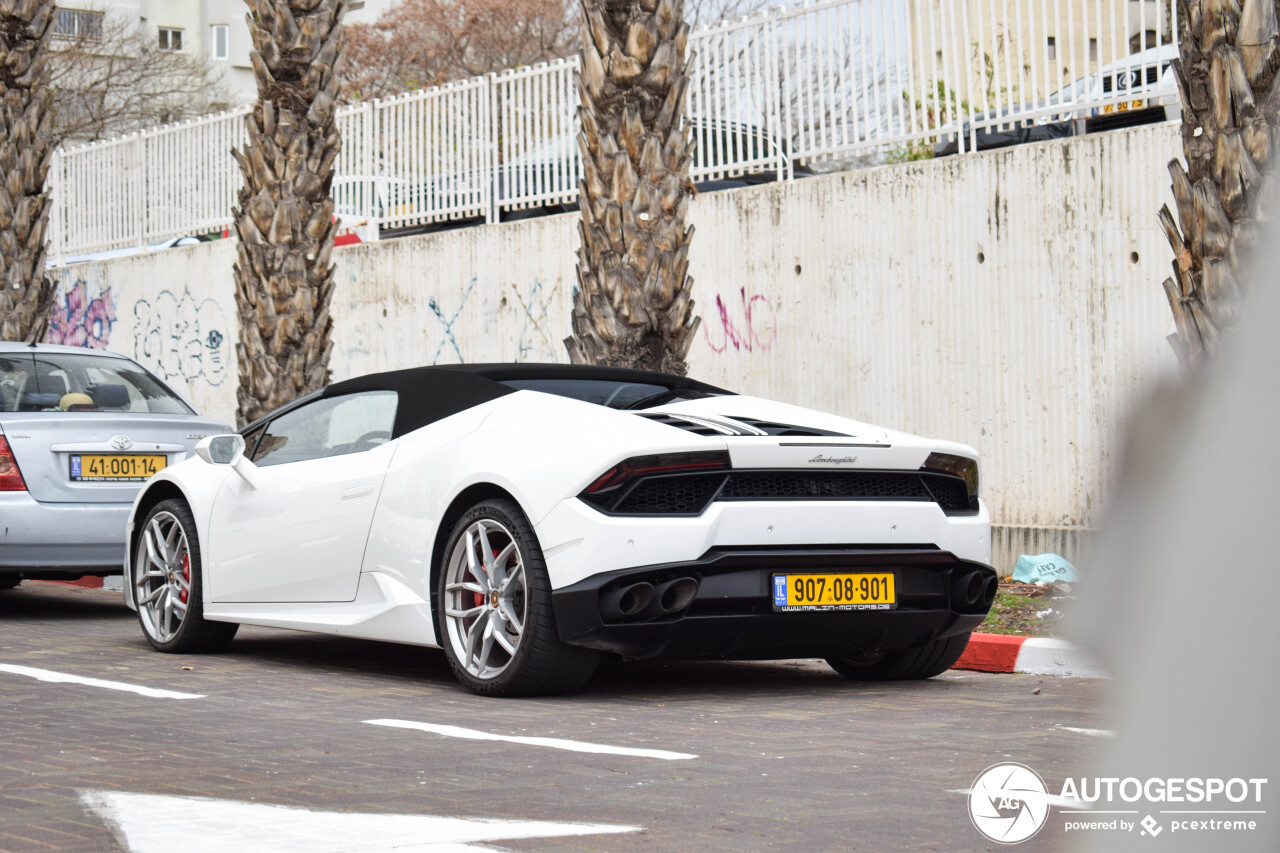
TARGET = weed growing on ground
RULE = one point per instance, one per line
(1021, 609)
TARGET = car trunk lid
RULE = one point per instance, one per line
(767, 434)
(48, 447)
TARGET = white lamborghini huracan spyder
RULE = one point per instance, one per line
(528, 518)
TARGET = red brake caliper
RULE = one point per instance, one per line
(479, 596)
(186, 576)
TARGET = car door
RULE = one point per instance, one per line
(298, 534)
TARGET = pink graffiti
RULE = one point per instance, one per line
(747, 337)
(79, 321)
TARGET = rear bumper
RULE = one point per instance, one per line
(60, 539)
(731, 615)
(579, 541)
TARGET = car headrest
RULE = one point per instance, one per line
(109, 396)
(36, 402)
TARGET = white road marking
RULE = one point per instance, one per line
(1091, 732)
(63, 678)
(554, 743)
(152, 823)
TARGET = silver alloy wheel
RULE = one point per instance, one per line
(486, 601)
(162, 576)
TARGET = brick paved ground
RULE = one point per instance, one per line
(790, 754)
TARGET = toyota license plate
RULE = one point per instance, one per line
(114, 467)
(861, 591)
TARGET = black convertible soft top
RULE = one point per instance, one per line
(429, 394)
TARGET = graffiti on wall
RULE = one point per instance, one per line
(747, 326)
(79, 319)
(183, 338)
(535, 342)
(449, 338)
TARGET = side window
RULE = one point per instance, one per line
(251, 441)
(361, 421)
(333, 426)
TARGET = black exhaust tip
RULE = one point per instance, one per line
(989, 591)
(973, 589)
(966, 590)
(627, 601)
(676, 595)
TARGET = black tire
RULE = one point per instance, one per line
(9, 581)
(508, 597)
(168, 584)
(904, 664)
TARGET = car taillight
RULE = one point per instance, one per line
(957, 466)
(661, 484)
(662, 463)
(10, 477)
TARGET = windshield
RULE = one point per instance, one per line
(64, 382)
(606, 392)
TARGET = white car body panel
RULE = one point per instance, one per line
(416, 491)
(495, 444)
(293, 553)
(197, 482)
(297, 535)
(383, 609)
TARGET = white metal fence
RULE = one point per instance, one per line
(816, 85)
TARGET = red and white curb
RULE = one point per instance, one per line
(113, 582)
(1031, 655)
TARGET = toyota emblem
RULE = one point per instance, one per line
(121, 442)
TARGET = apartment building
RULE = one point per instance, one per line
(213, 29)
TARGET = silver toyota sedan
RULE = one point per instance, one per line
(80, 432)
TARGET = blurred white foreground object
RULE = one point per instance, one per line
(1183, 610)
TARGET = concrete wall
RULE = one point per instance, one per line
(173, 311)
(1010, 300)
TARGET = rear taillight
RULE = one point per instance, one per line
(956, 466)
(662, 463)
(613, 485)
(10, 477)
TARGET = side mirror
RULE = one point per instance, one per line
(228, 450)
(221, 449)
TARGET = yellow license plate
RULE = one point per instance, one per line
(861, 591)
(1123, 106)
(114, 467)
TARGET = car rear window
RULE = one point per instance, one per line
(66, 382)
(606, 392)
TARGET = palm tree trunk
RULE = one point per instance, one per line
(26, 146)
(633, 306)
(284, 220)
(1230, 128)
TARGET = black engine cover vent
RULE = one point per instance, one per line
(771, 428)
(695, 426)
